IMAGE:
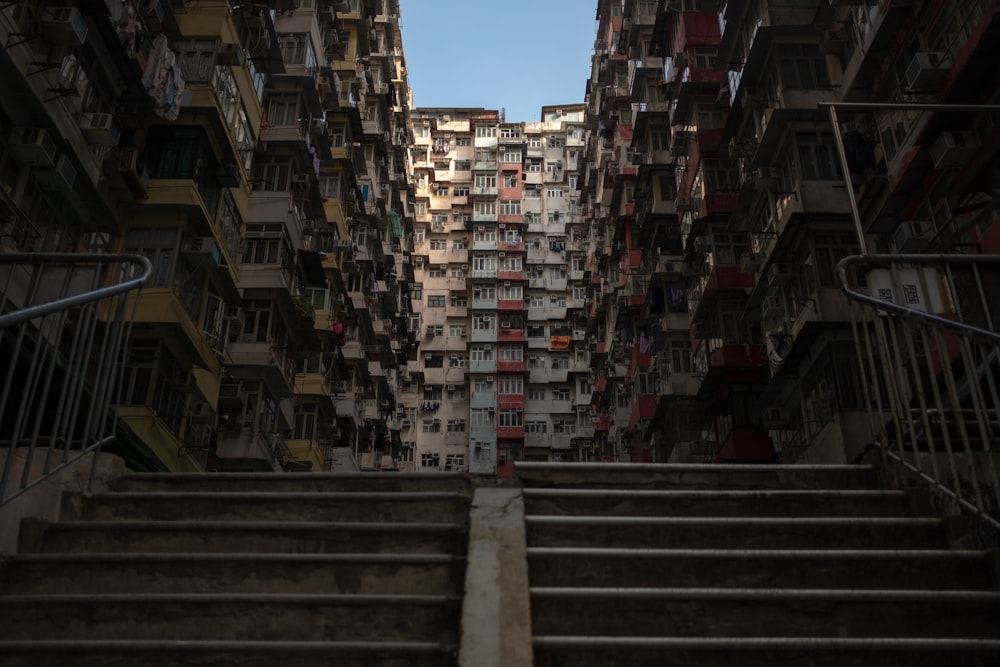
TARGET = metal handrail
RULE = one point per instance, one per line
(918, 367)
(65, 346)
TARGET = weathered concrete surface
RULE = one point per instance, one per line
(496, 612)
(43, 501)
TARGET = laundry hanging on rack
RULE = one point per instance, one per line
(163, 80)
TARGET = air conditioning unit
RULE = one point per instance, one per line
(502, 225)
(340, 387)
(451, 387)
(300, 178)
(954, 149)
(480, 228)
(32, 147)
(63, 25)
(927, 70)
(506, 283)
(502, 254)
(133, 170)
(489, 378)
(428, 356)
(779, 274)
(62, 176)
(465, 267)
(229, 54)
(100, 128)
(703, 244)
(505, 324)
(912, 235)
(201, 246)
(772, 307)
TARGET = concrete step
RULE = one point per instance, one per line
(722, 651)
(720, 502)
(773, 568)
(346, 573)
(167, 652)
(434, 506)
(694, 476)
(241, 536)
(296, 482)
(229, 616)
(760, 612)
(735, 532)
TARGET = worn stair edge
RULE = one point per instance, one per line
(237, 525)
(791, 554)
(329, 599)
(332, 496)
(294, 476)
(830, 521)
(9, 647)
(714, 593)
(708, 494)
(837, 644)
(142, 557)
(695, 467)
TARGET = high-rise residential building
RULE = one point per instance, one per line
(718, 194)
(255, 153)
(502, 374)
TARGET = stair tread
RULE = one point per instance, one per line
(598, 519)
(202, 598)
(715, 643)
(305, 557)
(280, 495)
(860, 554)
(196, 646)
(237, 524)
(587, 466)
(707, 493)
(717, 593)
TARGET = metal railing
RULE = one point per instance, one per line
(929, 358)
(63, 334)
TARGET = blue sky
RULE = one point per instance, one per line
(512, 54)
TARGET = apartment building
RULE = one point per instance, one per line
(713, 179)
(255, 154)
(499, 267)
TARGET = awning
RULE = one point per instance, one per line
(397, 224)
(559, 343)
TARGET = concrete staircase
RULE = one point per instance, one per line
(243, 569)
(748, 565)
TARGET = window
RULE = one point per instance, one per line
(436, 272)
(463, 141)
(460, 301)
(511, 384)
(435, 330)
(458, 393)
(460, 244)
(420, 208)
(439, 244)
(329, 187)
(510, 417)
(429, 459)
(486, 130)
(484, 323)
(536, 301)
(510, 207)
(482, 417)
(481, 386)
(417, 291)
(510, 155)
(484, 262)
(534, 142)
(536, 330)
(457, 272)
(802, 66)
(535, 427)
(458, 361)
(455, 462)
(564, 427)
(560, 393)
(584, 387)
(282, 110)
(510, 180)
(463, 165)
(432, 393)
(485, 181)
(536, 395)
(435, 301)
(511, 263)
(486, 208)
(705, 57)
(536, 361)
(511, 353)
(511, 292)
(435, 361)
(556, 142)
(484, 292)
(817, 160)
(510, 132)
(456, 426)
(510, 234)
(265, 244)
(481, 353)
(456, 331)
(554, 193)
(159, 246)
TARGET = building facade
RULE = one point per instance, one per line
(255, 153)
(717, 207)
(502, 373)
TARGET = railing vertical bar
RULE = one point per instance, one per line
(890, 384)
(979, 410)
(941, 411)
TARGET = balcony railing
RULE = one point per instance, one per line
(64, 347)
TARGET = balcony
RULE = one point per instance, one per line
(484, 335)
(510, 367)
(485, 165)
(250, 444)
(511, 432)
(510, 304)
(510, 336)
(484, 304)
(482, 366)
(487, 192)
(161, 313)
(488, 274)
